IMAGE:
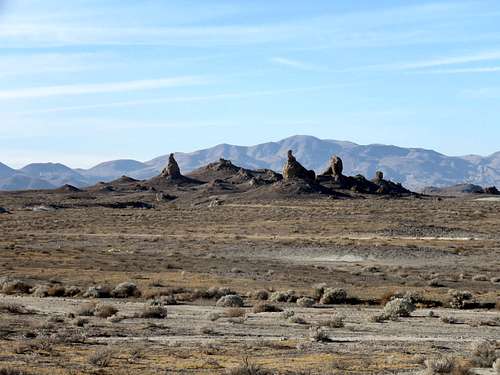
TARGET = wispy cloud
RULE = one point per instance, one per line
(484, 69)
(181, 99)
(100, 88)
(296, 64)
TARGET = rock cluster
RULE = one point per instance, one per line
(294, 170)
(172, 170)
(335, 169)
(491, 190)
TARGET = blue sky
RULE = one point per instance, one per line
(84, 81)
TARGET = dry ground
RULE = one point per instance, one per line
(372, 247)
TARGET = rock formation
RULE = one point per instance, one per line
(293, 169)
(172, 170)
(335, 169)
(491, 190)
(379, 176)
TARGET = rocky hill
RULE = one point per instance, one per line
(415, 168)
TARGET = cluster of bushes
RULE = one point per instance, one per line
(483, 355)
(12, 286)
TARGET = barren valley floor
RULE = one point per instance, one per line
(183, 257)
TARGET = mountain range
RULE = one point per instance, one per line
(415, 168)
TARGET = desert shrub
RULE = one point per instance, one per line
(279, 297)
(318, 291)
(72, 291)
(483, 353)
(398, 307)
(80, 322)
(105, 311)
(56, 291)
(435, 283)
(101, 358)
(164, 301)
(213, 316)
(440, 365)
(247, 368)
(297, 320)
(333, 296)
(213, 293)
(377, 318)
(15, 286)
(287, 314)
(125, 290)
(262, 295)
(479, 278)
(234, 312)
(230, 300)
(449, 320)
(40, 291)
(86, 309)
(334, 322)
(98, 291)
(460, 298)
(305, 302)
(266, 307)
(153, 312)
(13, 308)
(318, 334)
(13, 371)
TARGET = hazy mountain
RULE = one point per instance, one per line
(6, 171)
(23, 182)
(55, 173)
(413, 167)
(113, 169)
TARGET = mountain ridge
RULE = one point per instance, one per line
(414, 167)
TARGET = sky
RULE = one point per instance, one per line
(85, 81)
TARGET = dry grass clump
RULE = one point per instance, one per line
(101, 358)
(230, 300)
(333, 296)
(125, 290)
(14, 286)
(459, 299)
(443, 365)
(212, 293)
(14, 308)
(449, 320)
(98, 291)
(479, 278)
(86, 309)
(398, 307)
(297, 320)
(213, 316)
(153, 312)
(484, 353)
(318, 334)
(13, 371)
(266, 307)
(234, 312)
(262, 295)
(305, 302)
(105, 311)
(281, 296)
(334, 322)
(247, 368)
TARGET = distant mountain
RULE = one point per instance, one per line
(22, 182)
(415, 168)
(113, 169)
(55, 173)
(6, 171)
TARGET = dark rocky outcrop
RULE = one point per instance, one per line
(492, 190)
(172, 169)
(294, 170)
(335, 169)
